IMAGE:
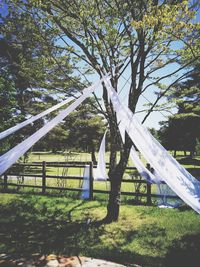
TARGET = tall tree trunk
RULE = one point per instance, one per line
(116, 176)
(113, 206)
(116, 170)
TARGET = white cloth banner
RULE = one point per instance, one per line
(33, 118)
(144, 172)
(15, 153)
(100, 171)
(85, 194)
(166, 199)
(177, 178)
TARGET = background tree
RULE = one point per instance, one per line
(111, 36)
(155, 133)
(8, 105)
(182, 130)
(86, 128)
(30, 78)
(82, 130)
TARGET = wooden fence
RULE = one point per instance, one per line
(20, 170)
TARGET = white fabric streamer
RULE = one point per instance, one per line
(85, 194)
(144, 172)
(33, 118)
(100, 172)
(162, 188)
(15, 153)
(177, 178)
(122, 129)
(166, 200)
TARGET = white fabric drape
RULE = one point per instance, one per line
(100, 171)
(85, 194)
(144, 172)
(166, 200)
(162, 189)
(121, 127)
(33, 118)
(15, 153)
(177, 178)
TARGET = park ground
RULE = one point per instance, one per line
(148, 236)
(64, 225)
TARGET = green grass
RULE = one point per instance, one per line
(83, 156)
(66, 156)
(144, 235)
(148, 236)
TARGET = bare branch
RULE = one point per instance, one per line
(164, 93)
(170, 74)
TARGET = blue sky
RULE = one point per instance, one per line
(154, 119)
(3, 9)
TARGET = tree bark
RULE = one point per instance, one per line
(116, 176)
(116, 170)
(114, 201)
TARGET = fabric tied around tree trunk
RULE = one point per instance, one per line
(174, 175)
(10, 157)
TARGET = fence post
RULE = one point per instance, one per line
(43, 177)
(148, 194)
(91, 182)
(5, 186)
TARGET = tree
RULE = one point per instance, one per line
(82, 129)
(155, 133)
(86, 128)
(29, 72)
(109, 36)
(8, 105)
(182, 130)
(55, 140)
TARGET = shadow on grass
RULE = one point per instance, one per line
(28, 228)
(184, 252)
(32, 224)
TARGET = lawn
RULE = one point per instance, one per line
(148, 236)
(83, 156)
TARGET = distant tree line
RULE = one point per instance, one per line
(34, 75)
(182, 131)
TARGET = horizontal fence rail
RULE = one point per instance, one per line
(21, 172)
